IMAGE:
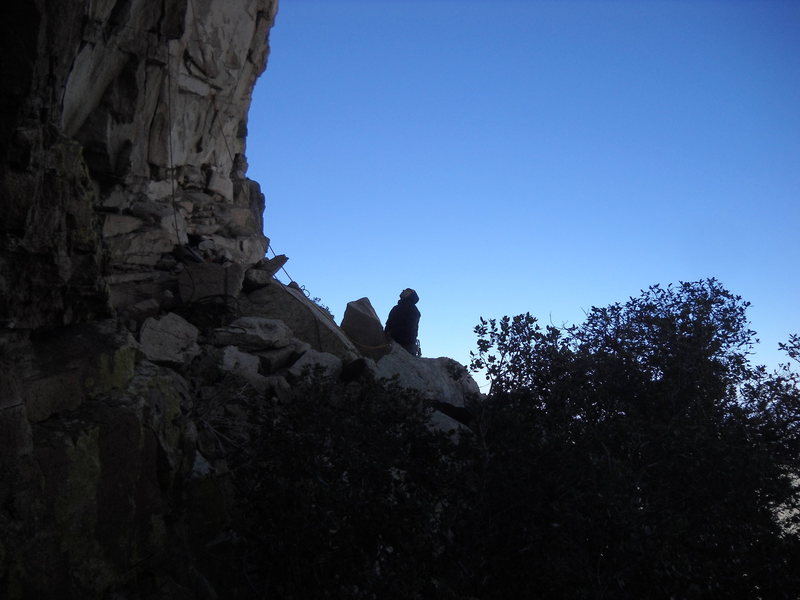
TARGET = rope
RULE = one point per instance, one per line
(381, 347)
(170, 161)
(283, 268)
(172, 175)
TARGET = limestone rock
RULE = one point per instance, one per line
(202, 281)
(245, 365)
(54, 392)
(244, 249)
(120, 224)
(142, 248)
(143, 310)
(237, 361)
(362, 325)
(308, 322)
(272, 265)
(436, 379)
(121, 107)
(75, 363)
(213, 49)
(142, 289)
(50, 244)
(170, 339)
(255, 279)
(275, 359)
(103, 475)
(122, 133)
(312, 360)
(253, 333)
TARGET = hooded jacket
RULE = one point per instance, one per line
(403, 322)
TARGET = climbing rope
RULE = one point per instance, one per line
(283, 268)
(365, 346)
(170, 160)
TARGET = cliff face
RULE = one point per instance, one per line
(123, 128)
(140, 325)
(122, 133)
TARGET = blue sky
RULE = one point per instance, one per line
(543, 156)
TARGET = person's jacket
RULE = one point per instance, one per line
(403, 322)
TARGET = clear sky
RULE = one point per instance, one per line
(543, 156)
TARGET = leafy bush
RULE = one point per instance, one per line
(636, 455)
(342, 500)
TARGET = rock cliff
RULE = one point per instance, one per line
(139, 317)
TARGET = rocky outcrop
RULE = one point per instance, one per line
(362, 325)
(169, 339)
(124, 196)
(308, 320)
(140, 324)
(122, 136)
(445, 383)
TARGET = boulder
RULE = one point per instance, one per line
(253, 333)
(438, 380)
(170, 339)
(143, 310)
(202, 281)
(308, 321)
(245, 365)
(362, 325)
(312, 360)
(277, 358)
(255, 279)
(236, 361)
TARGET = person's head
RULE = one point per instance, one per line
(408, 295)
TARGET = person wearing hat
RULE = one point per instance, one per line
(403, 322)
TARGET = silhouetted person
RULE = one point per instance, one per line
(403, 322)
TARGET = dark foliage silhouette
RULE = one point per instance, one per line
(637, 455)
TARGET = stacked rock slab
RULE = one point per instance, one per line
(308, 320)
